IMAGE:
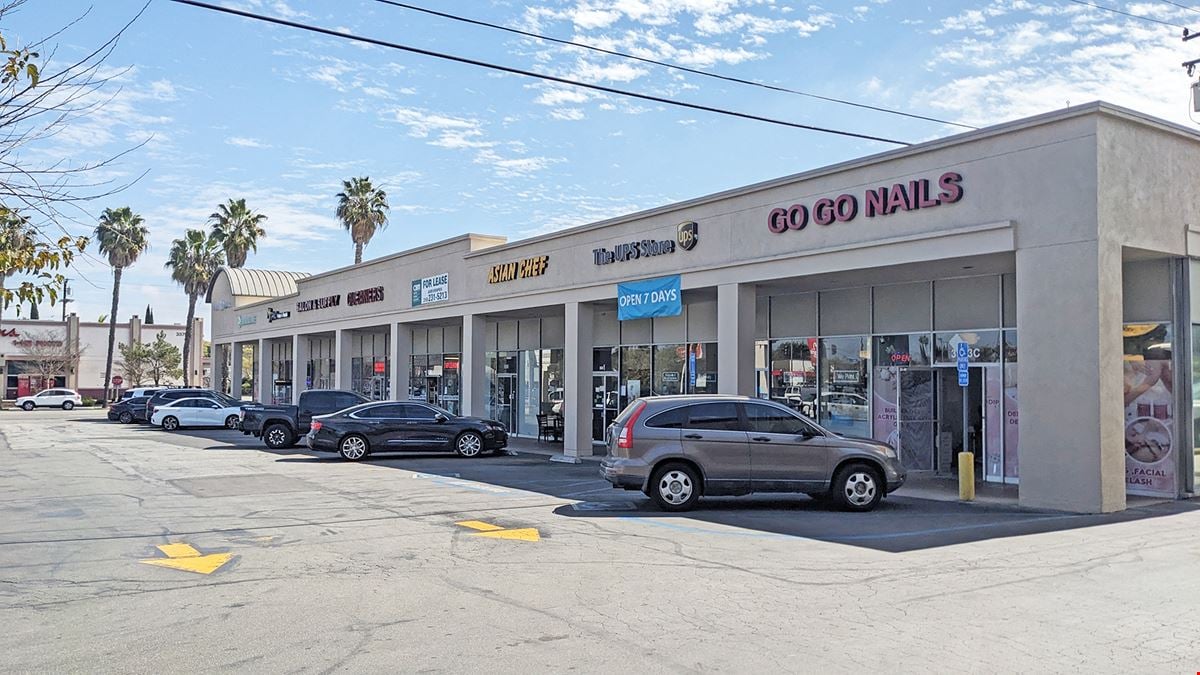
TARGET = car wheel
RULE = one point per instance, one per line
(126, 417)
(353, 448)
(68, 405)
(675, 487)
(28, 405)
(232, 422)
(857, 487)
(170, 424)
(278, 437)
(469, 444)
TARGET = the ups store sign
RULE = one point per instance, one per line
(519, 269)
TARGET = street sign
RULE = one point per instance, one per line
(117, 380)
(964, 356)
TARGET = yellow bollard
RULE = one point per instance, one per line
(966, 476)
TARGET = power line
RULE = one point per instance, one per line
(1181, 6)
(666, 64)
(527, 73)
(1129, 14)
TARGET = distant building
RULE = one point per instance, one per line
(83, 347)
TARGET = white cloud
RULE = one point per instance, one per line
(245, 142)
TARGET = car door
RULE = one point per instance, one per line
(182, 411)
(209, 413)
(787, 453)
(382, 425)
(422, 429)
(714, 437)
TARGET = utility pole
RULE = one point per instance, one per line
(65, 299)
(1190, 67)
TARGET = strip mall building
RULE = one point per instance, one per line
(1051, 256)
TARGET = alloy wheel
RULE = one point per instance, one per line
(126, 417)
(276, 437)
(469, 445)
(860, 488)
(170, 424)
(354, 448)
(675, 487)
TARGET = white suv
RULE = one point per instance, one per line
(51, 398)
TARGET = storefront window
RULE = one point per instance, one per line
(1196, 403)
(1150, 459)
(842, 405)
(635, 373)
(702, 368)
(894, 354)
(1011, 409)
(448, 389)
(670, 370)
(984, 346)
(794, 373)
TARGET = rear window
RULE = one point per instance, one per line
(713, 417)
(675, 418)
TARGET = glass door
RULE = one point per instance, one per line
(605, 399)
(506, 400)
(917, 418)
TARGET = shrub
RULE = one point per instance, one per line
(89, 401)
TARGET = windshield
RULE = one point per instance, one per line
(226, 398)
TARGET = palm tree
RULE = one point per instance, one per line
(237, 228)
(122, 237)
(362, 208)
(193, 260)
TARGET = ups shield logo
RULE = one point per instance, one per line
(687, 235)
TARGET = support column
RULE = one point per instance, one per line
(343, 344)
(577, 383)
(264, 383)
(235, 370)
(1069, 373)
(401, 360)
(300, 356)
(735, 339)
(474, 366)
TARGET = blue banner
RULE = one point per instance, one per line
(652, 297)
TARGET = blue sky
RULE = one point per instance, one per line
(233, 108)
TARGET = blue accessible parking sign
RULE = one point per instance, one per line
(964, 357)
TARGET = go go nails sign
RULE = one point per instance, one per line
(878, 201)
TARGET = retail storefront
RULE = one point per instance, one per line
(886, 297)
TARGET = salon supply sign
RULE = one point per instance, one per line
(1150, 459)
(649, 298)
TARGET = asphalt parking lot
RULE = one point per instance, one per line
(130, 549)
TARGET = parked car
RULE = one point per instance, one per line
(844, 404)
(391, 426)
(139, 392)
(280, 426)
(129, 410)
(51, 398)
(678, 448)
(164, 396)
(195, 412)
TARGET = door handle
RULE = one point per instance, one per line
(761, 439)
(693, 436)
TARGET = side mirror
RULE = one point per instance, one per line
(440, 418)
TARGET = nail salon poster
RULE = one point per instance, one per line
(1149, 410)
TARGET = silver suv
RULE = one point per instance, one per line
(677, 448)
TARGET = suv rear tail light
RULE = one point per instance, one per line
(625, 435)
(315, 426)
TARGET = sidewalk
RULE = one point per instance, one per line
(532, 446)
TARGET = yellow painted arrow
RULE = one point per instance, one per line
(497, 532)
(182, 556)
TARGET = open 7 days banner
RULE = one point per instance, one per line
(649, 298)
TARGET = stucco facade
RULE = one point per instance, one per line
(843, 290)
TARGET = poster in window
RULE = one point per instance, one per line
(1150, 458)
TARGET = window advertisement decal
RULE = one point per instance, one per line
(649, 298)
(1149, 410)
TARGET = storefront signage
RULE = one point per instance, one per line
(365, 296)
(276, 314)
(521, 269)
(649, 298)
(686, 236)
(430, 290)
(247, 319)
(878, 201)
(319, 303)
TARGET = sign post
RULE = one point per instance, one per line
(966, 458)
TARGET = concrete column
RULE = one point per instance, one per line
(235, 370)
(72, 346)
(400, 350)
(474, 366)
(135, 330)
(735, 339)
(1072, 451)
(197, 353)
(577, 382)
(343, 344)
(264, 383)
(300, 351)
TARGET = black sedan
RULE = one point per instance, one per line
(129, 410)
(391, 426)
